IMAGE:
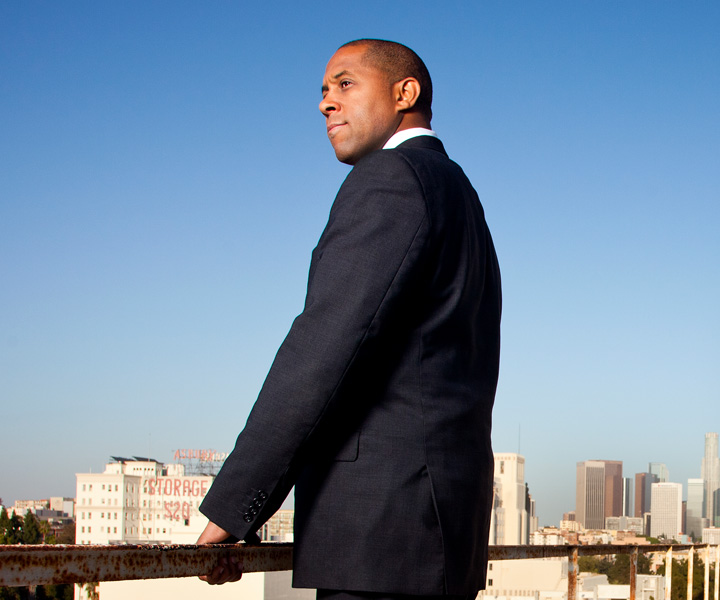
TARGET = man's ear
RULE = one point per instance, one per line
(407, 92)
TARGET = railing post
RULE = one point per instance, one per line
(717, 572)
(633, 572)
(691, 554)
(706, 592)
(668, 572)
(572, 574)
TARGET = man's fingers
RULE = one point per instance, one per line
(226, 571)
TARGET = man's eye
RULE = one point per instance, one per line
(344, 84)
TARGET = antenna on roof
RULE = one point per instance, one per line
(518, 438)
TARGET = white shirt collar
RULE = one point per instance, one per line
(404, 135)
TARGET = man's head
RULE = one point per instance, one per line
(372, 89)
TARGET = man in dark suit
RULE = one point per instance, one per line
(378, 404)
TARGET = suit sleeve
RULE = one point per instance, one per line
(371, 245)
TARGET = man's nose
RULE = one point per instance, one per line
(327, 105)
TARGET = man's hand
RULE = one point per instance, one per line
(228, 568)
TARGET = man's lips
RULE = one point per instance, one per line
(332, 128)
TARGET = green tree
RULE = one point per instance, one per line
(13, 533)
(55, 592)
(31, 529)
(594, 564)
(617, 568)
(8, 593)
(4, 524)
(46, 536)
(66, 535)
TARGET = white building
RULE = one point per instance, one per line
(634, 524)
(695, 515)
(649, 587)
(666, 510)
(711, 535)
(510, 522)
(547, 536)
(143, 501)
(140, 501)
(253, 586)
(540, 579)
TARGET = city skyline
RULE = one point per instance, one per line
(165, 174)
(607, 510)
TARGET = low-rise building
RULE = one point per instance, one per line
(711, 535)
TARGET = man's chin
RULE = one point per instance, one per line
(344, 156)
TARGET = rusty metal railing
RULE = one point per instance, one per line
(55, 564)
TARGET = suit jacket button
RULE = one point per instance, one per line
(262, 495)
(257, 503)
(247, 518)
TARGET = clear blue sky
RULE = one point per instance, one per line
(165, 174)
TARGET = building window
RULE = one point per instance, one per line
(89, 530)
(102, 515)
(82, 530)
(489, 582)
(103, 486)
(116, 487)
(114, 529)
(90, 487)
(83, 487)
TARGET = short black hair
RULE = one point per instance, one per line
(399, 62)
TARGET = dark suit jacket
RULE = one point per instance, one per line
(378, 404)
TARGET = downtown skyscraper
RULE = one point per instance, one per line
(598, 492)
(666, 510)
(710, 472)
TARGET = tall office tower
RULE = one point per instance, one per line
(660, 471)
(532, 516)
(695, 508)
(510, 519)
(710, 472)
(627, 502)
(598, 492)
(643, 481)
(666, 510)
